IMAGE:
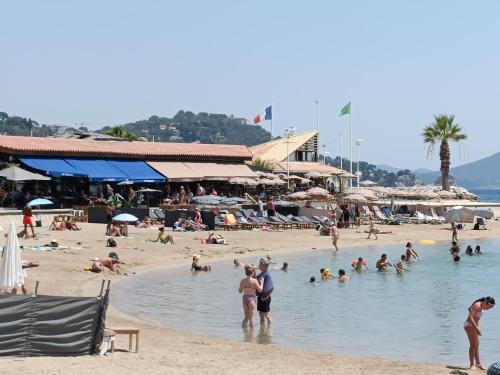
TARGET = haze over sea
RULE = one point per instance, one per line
(487, 195)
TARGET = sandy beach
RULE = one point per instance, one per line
(168, 351)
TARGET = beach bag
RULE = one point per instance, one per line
(111, 242)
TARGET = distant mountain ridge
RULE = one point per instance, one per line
(479, 174)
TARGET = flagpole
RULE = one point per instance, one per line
(341, 149)
(272, 115)
(317, 130)
(350, 143)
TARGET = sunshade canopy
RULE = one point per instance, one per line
(96, 169)
(198, 171)
(53, 166)
(19, 174)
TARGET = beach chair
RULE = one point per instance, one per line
(249, 214)
(244, 222)
(398, 219)
(379, 215)
(440, 219)
(424, 218)
(441, 211)
(292, 223)
(304, 223)
(428, 214)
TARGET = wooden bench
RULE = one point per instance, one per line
(126, 331)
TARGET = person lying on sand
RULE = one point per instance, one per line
(215, 240)
(145, 223)
(196, 267)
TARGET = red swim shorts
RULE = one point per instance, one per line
(27, 220)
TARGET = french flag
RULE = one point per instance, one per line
(267, 115)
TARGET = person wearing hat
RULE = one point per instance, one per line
(264, 297)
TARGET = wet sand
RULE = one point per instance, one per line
(169, 351)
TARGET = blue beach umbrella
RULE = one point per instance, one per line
(39, 202)
(126, 217)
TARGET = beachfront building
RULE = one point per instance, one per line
(298, 155)
(76, 165)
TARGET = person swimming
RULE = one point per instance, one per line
(325, 273)
(284, 268)
(237, 263)
(411, 254)
(399, 265)
(455, 249)
(358, 264)
(312, 279)
(477, 251)
(382, 263)
(341, 276)
(469, 251)
(196, 267)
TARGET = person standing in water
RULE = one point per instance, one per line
(264, 297)
(358, 264)
(471, 327)
(249, 286)
(410, 253)
(454, 233)
(382, 263)
(335, 236)
(399, 265)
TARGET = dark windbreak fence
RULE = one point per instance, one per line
(51, 326)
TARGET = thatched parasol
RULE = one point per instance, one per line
(357, 198)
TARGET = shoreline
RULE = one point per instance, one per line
(215, 352)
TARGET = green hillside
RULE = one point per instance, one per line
(202, 127)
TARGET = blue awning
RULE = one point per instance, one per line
(137, 170)
(53, 167)
(98, 170)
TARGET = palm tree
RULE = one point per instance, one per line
(120, 132)
(443, 130)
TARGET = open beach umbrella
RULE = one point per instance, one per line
(317, 192)
(11, 268)
(147, 191)
(19, 174)
(126, 182)
(299, 195)
(355, 198)
(484, 212)
(459, 214)
(39, 202)
(367, 183)
(126, 218)
(211, 200)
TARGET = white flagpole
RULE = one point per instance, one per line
(317, 131)
(350, 142)
(272, 116)
(341, 149)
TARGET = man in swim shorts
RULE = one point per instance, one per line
(264, 297)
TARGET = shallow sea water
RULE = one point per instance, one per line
(416, 316)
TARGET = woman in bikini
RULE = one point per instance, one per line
(196, 267)
(335, 236)
(411, 254)
(471, 327)
(248, 286)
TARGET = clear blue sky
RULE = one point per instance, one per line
(110, 62)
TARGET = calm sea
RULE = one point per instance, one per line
(487, 195)
(416, 316)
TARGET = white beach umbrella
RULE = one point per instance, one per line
(459, 214)
(11, 268)
(355, 198)
(126, 217)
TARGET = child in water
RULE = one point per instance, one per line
(358, 264)
(399, 265)
(469, 251)
(478, 250)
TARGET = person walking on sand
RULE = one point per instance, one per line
(249, 286)
(454, 232)
(27, 222)
(471, 327)
(264, 297)
(335, 236)
(109, 217)
(371, 229)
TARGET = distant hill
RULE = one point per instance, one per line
(388, 168)
(483, 173)
(202, 127)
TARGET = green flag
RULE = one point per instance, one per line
(346, 110)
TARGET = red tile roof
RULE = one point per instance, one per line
(14, 145)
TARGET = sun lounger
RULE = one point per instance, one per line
(434, 214)
(294, 223)
(277, 221)
(379, 215)
(441, 211)
(424, 218)
(303, 223)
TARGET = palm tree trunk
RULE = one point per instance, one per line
(444, 155)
